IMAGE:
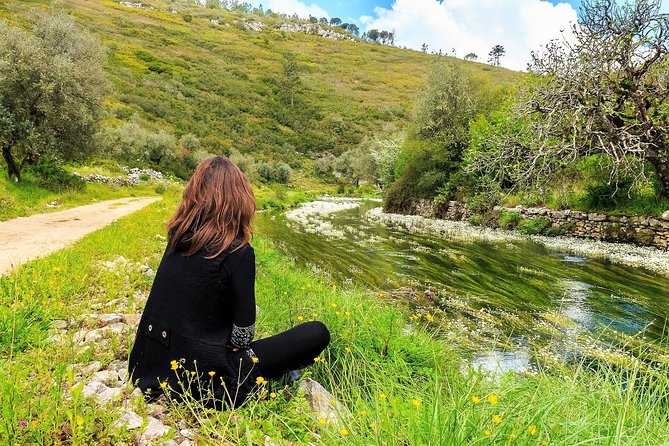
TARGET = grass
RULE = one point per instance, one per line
(223, 83)
(400, 380)
(27, 197)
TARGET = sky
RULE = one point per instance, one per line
(456, 27)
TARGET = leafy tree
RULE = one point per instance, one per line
(291, 78)
(471, 56)
(357, 165)
(495, 53)
(335, 21)
(606, 94)
(324, 165)
(353, 29)
(432, 153)
(313, 19)
(51, 83)
(423, 47)
(373, 35)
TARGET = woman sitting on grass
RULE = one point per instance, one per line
(197, 329)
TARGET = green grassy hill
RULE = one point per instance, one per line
(178, 71)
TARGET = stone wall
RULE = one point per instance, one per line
(646, 231)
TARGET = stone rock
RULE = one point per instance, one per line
(155, 429)
(665, 215)
(131, 319)
(93, 336)
(169, 443)
(131, 420)
(93, 388)
(60, 324)
(187, 433)
(107, 377)
(123, 375)
(108, 396)
(117, 328)
(136, 393)
(321, 401)
(186, 443)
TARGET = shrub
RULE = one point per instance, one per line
(160, 189)
(475, 220)
(508, 219)
(324, 166)
(534, 225)
(606, 196)
(282, 173)
(265, 171)
(55, 178)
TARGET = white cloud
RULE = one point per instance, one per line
(520, 26)
(291, 7)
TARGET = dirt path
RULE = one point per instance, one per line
(26, 238)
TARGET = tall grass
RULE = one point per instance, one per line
(399, 380)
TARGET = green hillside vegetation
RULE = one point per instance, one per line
(278, 95)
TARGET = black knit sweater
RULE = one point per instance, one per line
(197, 311)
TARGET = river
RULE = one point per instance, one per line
(517, 301)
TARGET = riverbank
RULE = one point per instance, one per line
(401, 382)
(653, 259)
(634, 229)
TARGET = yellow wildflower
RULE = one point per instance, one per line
(476, 399)
(285, 293)
(334, 287)
(363, 413)
(416, 403)
(347, 313)
(163, 384)
(344, 432)
(174, 364)
(348, 349)
(493, 399)
(322, 422)
(308, 285)
(272, 395)
(488, 433)
(314, 315)
(496, 419)
(382, 396)
(317, 359)
(255, 359)
(429, 317)
(57, 269)
(338, 313)
(300, 318)
(333, 305)
(212, 373)
(372, 425)
(532, 430)
(260, 380)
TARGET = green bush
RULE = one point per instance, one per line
(475, 220)
(160, 189)
(282, 173)
(265, 171)
(606, 196)
(508, 219)
(55, 178)
(534, 225)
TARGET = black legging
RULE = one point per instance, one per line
(291, 349)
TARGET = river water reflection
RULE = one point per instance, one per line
(518, 277)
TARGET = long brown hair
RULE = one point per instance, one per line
(217, 207)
